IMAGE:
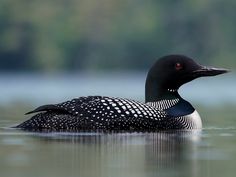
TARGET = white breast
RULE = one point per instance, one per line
(191, 121)
(196, 120)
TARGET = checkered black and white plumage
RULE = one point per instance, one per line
(103, 113)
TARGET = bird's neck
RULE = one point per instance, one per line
(167, 99)
(155, 93)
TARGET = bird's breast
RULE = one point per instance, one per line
(191, 121)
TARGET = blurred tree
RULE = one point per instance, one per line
(107, 34)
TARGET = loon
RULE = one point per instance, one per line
(164, 108)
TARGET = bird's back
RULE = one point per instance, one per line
(99, 113)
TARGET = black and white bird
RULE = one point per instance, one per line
(164, 109)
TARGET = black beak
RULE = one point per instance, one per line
(209, 71)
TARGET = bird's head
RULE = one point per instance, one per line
(172, 71)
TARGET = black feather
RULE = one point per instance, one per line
(49, 107)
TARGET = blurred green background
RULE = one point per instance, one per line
(91, 35)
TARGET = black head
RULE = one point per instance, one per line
(172, 71)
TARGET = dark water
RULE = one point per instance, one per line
(210, 152)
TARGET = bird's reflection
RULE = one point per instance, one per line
(171, 152)
(123, 154)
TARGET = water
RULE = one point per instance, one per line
(39, 89)
(210, 152)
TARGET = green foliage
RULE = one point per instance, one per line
(108, 34)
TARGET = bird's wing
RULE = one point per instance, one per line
(49, 107)
(70, 107)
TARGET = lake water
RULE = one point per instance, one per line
(40, 89)
(210, 152)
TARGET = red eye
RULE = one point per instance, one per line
(178, 66)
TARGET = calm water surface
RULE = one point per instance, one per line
(210, 152)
